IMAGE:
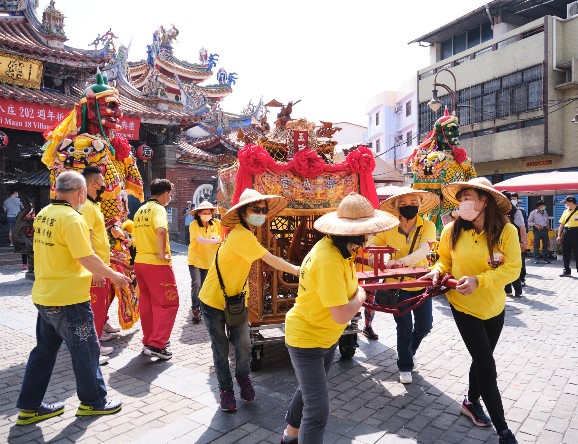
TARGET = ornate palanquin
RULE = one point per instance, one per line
(293, 163)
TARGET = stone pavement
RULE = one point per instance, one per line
(177, 401)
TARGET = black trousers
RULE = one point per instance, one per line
(569, 245)
(481, 338)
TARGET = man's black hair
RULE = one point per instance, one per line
(160, 186)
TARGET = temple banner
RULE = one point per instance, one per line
(20, 71)
(39, 117)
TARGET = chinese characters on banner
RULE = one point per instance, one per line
(38, 118)
(300, 140)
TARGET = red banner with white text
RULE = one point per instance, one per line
(37, 117)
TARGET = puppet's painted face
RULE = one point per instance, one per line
(110, 111)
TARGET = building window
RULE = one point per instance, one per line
(408, 138)
(377, 118)
(408, 108)
(465, 40)
(377, 145)
(512, 94)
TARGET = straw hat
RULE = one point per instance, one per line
(479, 183)
(204, 205)
(355, 216)
(249, 196)
(428, 201)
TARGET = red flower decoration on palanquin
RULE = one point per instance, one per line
(254, 159)
(460, 155)
(121, 147)
(361, 160)
(307, 163)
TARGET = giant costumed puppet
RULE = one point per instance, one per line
(86, 137)
(439, 160)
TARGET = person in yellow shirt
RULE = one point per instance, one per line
(481, 249)
(568, 234)
(99, 288)
(328, 297)
(413, 233)
(63, 263)
(234, 260)
(205, 238)
(159, 297)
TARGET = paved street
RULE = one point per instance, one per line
(177, 401)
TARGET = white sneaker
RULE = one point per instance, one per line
(405, 377)
(110, 329)
(105, 351)
(105, 337)
(102, 360)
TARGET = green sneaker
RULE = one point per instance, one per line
(43, 412)
(110, 408)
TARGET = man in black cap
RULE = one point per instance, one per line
(540, 222)
(568, 233)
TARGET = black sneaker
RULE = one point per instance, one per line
(476, 413)
(370, 334)
(228, 403)
(161, 353)
(43, 412)
(565, 273)
(507, 437)
(109, 408)
(197, 315)
(518, 295)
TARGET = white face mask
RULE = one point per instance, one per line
(514, 202)
(206, 217)
(256, 219)
(467, 210)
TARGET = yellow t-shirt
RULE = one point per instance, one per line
(60, 237)
(236, 255)
(573, 222)
(470, 258)
(147, 219)
(394, 238)
(202, 255)
(326, 280)
(95, 221)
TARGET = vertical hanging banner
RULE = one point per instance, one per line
(300, 140)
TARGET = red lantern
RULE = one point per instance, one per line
(144, 152)
(3, 140)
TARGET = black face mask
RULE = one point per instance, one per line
(99, 194)
(409, 212)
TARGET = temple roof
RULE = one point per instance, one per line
(18, 35)
(192, 152)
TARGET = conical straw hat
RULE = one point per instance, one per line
(275, 203)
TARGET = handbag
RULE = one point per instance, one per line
(235, 310)
(390, 298)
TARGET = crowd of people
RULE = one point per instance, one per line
(482, 248)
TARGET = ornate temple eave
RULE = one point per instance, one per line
(189, 71)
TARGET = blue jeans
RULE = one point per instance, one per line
(73, 324)
(309, 408)
(198, 276)
(543, 236)
(411, 329)
(215, 323)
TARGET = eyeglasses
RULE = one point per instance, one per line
(263, 210)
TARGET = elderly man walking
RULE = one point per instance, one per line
(540, 223)
(63, 263)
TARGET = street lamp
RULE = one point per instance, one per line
(435, 103)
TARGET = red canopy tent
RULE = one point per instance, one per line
(542, 184)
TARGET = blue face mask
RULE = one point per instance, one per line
(256, 219)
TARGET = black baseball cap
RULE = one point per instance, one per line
(570, 199)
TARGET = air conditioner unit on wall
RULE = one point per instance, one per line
(398, 109)
(571, 9)
(398, 138)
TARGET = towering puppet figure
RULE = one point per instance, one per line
(86, 137)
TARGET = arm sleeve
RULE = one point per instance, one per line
(249, 248)
(531, 219)
(331, 284)
(160, 219)
(444, 263)
(510, 269)
(519, 218)
(417, 256)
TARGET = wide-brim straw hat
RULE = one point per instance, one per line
(479, 183)
(276, 204)
(204, 205)
(428, 201)
(355, 216)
